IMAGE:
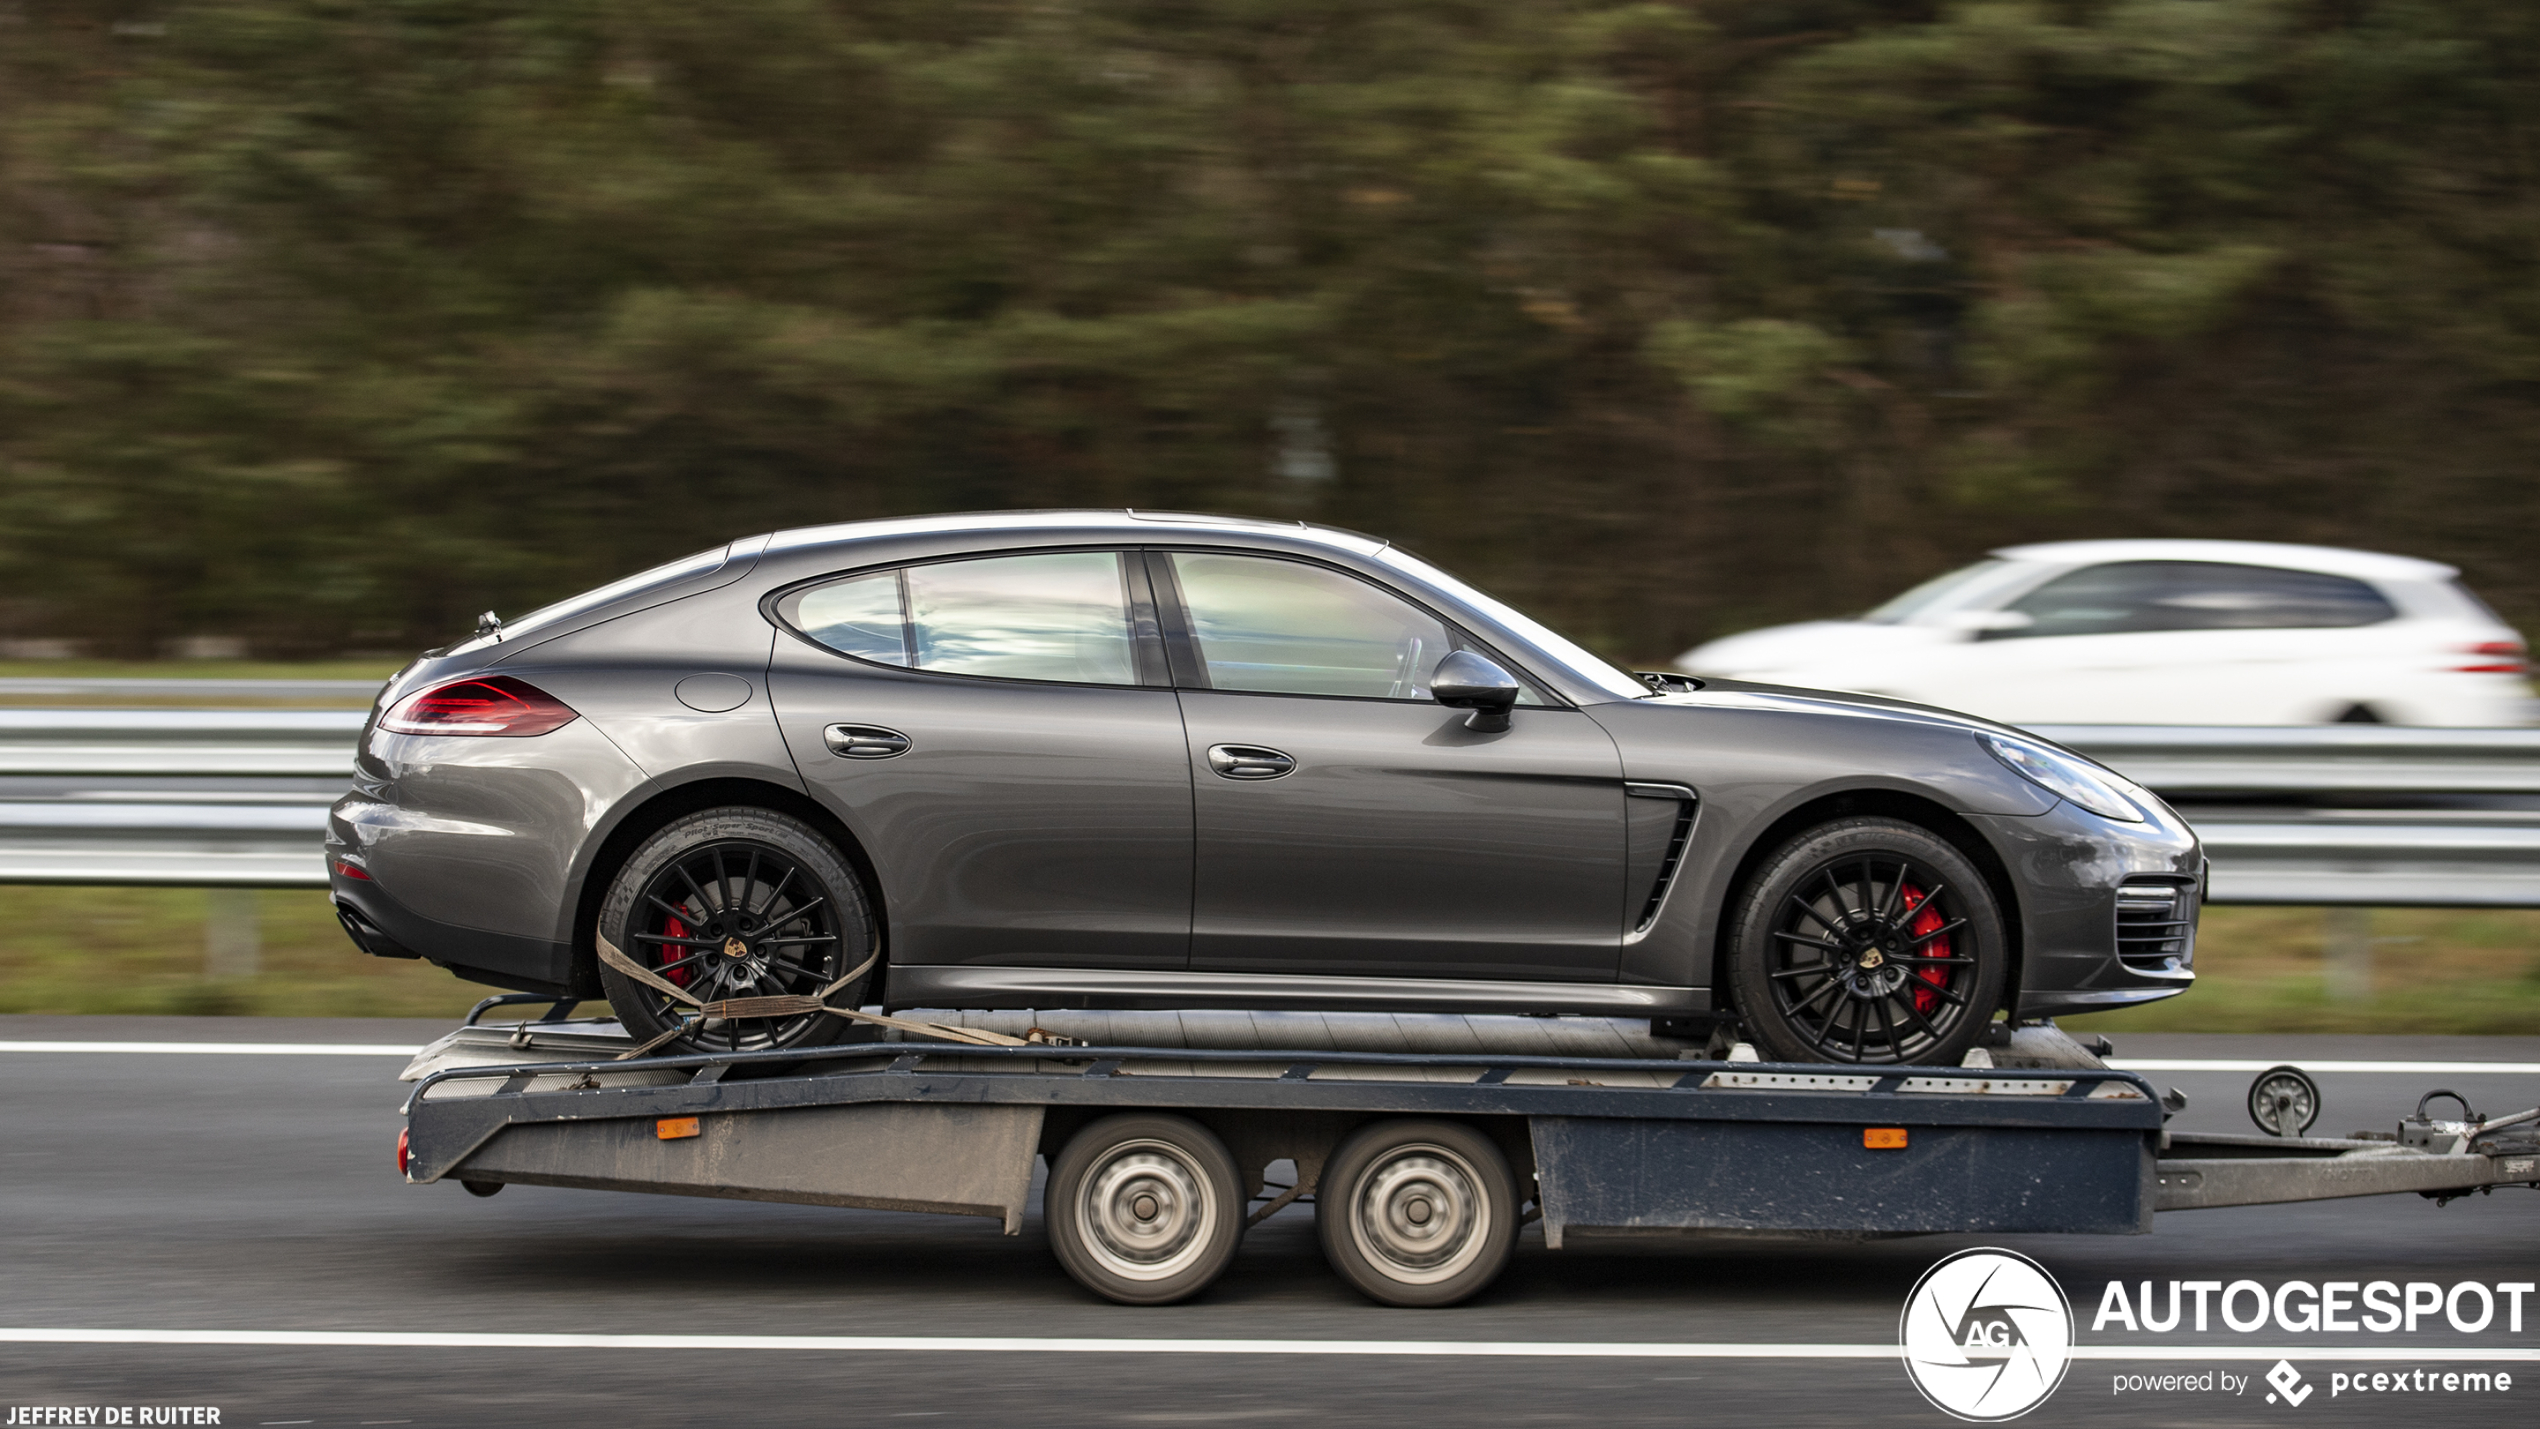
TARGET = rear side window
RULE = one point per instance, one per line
(1063, 616)
(2126, 597)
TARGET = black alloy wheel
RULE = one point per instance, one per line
(734, 904)
(1868, 941)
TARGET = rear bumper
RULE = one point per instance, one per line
(381, 926)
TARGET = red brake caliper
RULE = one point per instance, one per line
(670, 952)
(1925, 920)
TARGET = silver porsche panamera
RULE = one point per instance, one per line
(1107, 759)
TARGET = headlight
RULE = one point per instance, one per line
(2065, 777)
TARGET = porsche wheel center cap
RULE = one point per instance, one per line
(735, 948)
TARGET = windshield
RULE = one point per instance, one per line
(685, 568)
(1932, 593)
(1582, 663)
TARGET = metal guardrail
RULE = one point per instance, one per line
(2357, 815)
(181, 797)
(108, 687)
(2320, 760)
(2352, 815)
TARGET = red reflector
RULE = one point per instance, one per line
(352, 870)
(404, 1154)
(494, 704)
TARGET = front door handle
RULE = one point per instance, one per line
(1249, 761)
(864, 741)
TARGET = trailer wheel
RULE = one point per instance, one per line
(1417, 1213)
(1144, 1208)
(2284, 1101)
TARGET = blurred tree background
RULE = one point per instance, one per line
(328, 324)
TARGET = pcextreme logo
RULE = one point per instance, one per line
(1987, 1335)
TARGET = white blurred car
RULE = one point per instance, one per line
(2164, 632)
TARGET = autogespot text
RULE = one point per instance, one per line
(2303, 1307)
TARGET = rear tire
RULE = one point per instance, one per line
(1867, 940)
(1144, 1208)
(1421, 1214)
(734, 903)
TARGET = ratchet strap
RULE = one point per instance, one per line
(793, 1004)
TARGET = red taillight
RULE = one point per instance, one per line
(352, 870)
(404, 1154)
(2502, 657)
(492, 704)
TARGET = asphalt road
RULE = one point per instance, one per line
(187, 1192)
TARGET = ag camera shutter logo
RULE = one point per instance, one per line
(1987, 1335)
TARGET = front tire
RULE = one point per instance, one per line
(1868, 940)
(736, 903)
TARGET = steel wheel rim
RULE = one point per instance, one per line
(1420, 1214)
(737, 918)
(2282, 1104)
(1145, 1212)
(1871, 960)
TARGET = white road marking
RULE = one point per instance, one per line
(246, 1049)
(2432, 1069)
(1002, 1344)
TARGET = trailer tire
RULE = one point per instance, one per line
(1420, 1214)
(1144, 1208)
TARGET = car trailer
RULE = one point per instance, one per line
(1422, 1166)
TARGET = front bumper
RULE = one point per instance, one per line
(2068, 867)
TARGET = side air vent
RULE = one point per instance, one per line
(1677, 837)
(2156, 925)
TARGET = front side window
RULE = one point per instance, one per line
(1063, 615)
(1284, 627)
(2126, 597)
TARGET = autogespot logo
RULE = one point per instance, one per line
(1987, 1335)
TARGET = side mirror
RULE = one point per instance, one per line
(1988, 624)
(1466, 681)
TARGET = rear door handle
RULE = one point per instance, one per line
(864, 741)
(1249, 761)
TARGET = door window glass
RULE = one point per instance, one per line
(2134, 596)
(1059, 616)
(1283, 627)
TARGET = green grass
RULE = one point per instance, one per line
(2260, 969)
(141, 950)
(2470, 971)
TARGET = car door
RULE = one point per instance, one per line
(1347, 824)
(1000, 734)
(2170, 642)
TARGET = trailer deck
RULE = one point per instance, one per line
(1593, 1146)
